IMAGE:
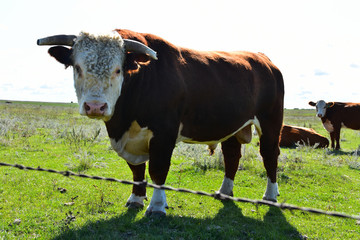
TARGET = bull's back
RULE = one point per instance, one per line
(227, 90)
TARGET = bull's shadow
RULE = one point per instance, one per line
(238, 227)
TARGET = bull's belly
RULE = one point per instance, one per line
(243, 134)
(134, 144)
(328, 125)
(351, 125)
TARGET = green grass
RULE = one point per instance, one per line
(55, 207)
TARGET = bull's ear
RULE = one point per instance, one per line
(311, 103)
(133, 61)
(329, 104)
(62, 55)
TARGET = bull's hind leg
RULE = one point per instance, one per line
(136, 199)
(269, 150)
(231, 149)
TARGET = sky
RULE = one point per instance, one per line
(315, 44)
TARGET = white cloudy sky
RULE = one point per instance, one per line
(316, 44)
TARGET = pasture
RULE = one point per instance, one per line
(42, 205)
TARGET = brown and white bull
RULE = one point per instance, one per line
(335, 115)
(152, 95)
(292, 135)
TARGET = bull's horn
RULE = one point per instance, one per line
(135, 46)
(66, 40)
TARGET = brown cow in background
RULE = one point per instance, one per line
(293, 135)
(335, 115)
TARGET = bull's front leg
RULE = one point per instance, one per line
(136, 199)
(161, 148)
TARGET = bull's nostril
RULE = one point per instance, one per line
(87, 107)
(103, 107)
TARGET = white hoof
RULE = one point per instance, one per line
(227, 187)
(135, 201)
(157, 204)
(271, 192)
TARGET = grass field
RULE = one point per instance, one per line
(42, 205)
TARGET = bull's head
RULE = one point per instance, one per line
(321, 107)
(98, 65)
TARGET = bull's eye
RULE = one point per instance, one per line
(78, 69)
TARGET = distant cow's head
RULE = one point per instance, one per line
(98, 64)
(321, 107)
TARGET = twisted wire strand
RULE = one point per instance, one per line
(183, 190)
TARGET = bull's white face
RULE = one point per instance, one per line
(98, 74)
(321, 108)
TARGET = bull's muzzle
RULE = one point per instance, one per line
(95, 109)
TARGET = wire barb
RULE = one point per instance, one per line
(215, 195)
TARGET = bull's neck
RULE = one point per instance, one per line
(119, 122)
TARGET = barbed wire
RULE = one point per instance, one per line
(183, 190)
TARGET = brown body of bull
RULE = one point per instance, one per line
(211, 93)
(191, 96)
(291, 136)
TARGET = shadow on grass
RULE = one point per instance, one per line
(341, 152)
(229, 223)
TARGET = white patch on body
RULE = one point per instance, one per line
(271, 192)
(227, 186)
(158, 202)
(134, 144)
(238, 132)
(328, 126)
(136, 199)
